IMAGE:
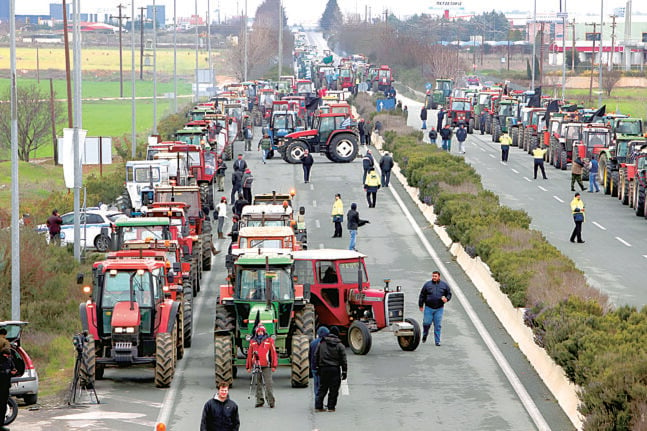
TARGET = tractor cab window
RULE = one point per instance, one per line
(505, 110)
(280, 122)
(597, 140)
(348, 272)
(145, 175)
(628, 127)
(303, 272)
(260, 243)
(117, 289)
(326, 272)
(573, 133)
(252, 284)
(327, 124)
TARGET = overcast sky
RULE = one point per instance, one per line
(309, 11)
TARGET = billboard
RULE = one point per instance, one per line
(593, 36)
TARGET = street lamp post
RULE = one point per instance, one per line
(564, 15)
(601, 50)
(154, 68)
(534, 48)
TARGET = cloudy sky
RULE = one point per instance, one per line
(299, 14)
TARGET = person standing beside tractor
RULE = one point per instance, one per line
(332, 367)
(577, 209)
(482, 119)
(220, 175)
(367, 163)
(576, 174)
(220, 413)
(248, 180)
(265, 145)
(362, 132)
(337, 215)
(307, 161)
(262, 353)
(433, 135)
(505, 141)
(440, 117)
(538, 156)
(368, 130)
(54, 223)
(221, 211)
(321, 333)
(446, 137)
(434, 295)
(461, 135)
(423, 117)
(594, 167)
(353, 223)
(248, 135)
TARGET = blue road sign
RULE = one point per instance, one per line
(384, 104)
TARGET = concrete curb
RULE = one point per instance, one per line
(510, 317)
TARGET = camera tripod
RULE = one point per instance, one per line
(257, 376)
(76, 387)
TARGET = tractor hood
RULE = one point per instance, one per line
(302, 134)
(258, 313)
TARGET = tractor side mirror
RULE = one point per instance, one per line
(177, 267)
(79, 278)
(170, 277)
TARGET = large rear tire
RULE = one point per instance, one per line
(304, 322)
(359, 338)
(295, 151)
(563, 160)
(470, 126)
(12, 411)
(164, 359)
(222, 359)
(410, 343)
(300, 361)
(225, 320)
(343, 148)
(640, 199)
(187, 303)
(614, 183)
(88, 363)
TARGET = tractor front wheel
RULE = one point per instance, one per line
(187, 303)
(295, 151)
(300, 361)
(222, 359)
(88, 363)
(304, 321)
(409, 343)
(164, 359)
(359, 338)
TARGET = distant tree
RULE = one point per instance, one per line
(610, 79)
(493, 25)
(332, 17)
(34, 120)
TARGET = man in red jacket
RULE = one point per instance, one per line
(262, 360)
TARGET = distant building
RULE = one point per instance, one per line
(160, 15)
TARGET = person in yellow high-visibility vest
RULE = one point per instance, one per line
(505, 141)
(538, 155)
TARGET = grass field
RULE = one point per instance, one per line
(628, 101)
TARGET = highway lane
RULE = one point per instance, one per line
(615, 248)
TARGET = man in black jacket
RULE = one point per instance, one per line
(386, 164)
(353, 223)
(220, 413)
(446, 136)
(7, 369)
(330, 356)
(236, 184)
(433, 296)
(307, 161)
(367, 163)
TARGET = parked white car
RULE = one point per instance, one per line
(93, 220)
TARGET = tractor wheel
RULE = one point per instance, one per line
(343, 148)
(188, 312)
(179, 338)
(98, 371)
(228, 152)
(225, 320)
(123, 202)
(304, 321)
(640, 200)
(300, 361)
(270, 154)
(515, 137)
(614, 183)
(12, 411)
(205, 196)
(629, 193)
(222, 359)
(207, 254)
(328, 156)
(164, 359)
(410, 343)
(102, 243)
(563, 160)
(470, 126)
(359, 338)
(88, 363)
(294, 151)
(494, 126)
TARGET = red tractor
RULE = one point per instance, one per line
(633, 179)
(129, 320)
(461, 111)
(331, 135)
(343, 297)
(382, 79)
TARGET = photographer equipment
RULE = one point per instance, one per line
(79, 341)
(257, 375)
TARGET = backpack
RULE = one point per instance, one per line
(248, 182)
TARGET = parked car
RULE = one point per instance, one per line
(93, 220)
(24, 384)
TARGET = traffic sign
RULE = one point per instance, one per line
(563, 15)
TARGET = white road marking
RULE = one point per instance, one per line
(645, 256)
(491, 155)
(541, 188)
(527, 179)
(321, 245)
(514, 170)
(623, 241)
(599, 225)
(512, 377)
(558, 199)
(482, 149)
(317, 224)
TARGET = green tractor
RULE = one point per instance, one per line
(442, 92)
(261, 289)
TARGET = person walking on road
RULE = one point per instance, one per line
(220, 413)
(248, 181)
(337, 215)
(368, 162)
(423, 117)
(576, 173)
(307, 161)
(54, 223)
(461, 135)
(434, 295)
(332, 367)
(248, 134)
(577, 210)
(353, 223)
(362, 132)
(371, 186)
(240, 203)
(433, 136)
(236, 184)
(594, 167)
(446, 137)
(264, 146)
(440, 117)
(240, 164)
(262, 353)
(220, 175)
(386, 164)
(368, 130)
(482, 119)
(321, 333)
(505, 140)
(221, 210)
(538, 156)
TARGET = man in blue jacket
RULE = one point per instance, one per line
(461, 135)
(433, 296)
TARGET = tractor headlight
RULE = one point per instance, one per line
(122, 330)
(118, 330)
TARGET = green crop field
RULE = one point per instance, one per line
(628, 101)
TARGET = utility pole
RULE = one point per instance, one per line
(154, 68)
(120, 17)
(245, 40)
(209, 42)
(564, 15)
(197, 43)
(592, 60)
(175, 56)
(141, 43)
(601, 50)
(613, 41)
(574, 53)
(280, 37)
(15, 175)
(68, 78)
(541, 55)
(534, 44)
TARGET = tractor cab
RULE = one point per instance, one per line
(142, 176)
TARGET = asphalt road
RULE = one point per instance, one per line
(615, 249)
(466, 384)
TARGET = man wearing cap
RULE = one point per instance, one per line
(262, 353)
(54, 223)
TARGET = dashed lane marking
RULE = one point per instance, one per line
(558, 199)
(514, 170)
(599, 225)
(623, 241)
(541, 188)
(527, 179)
(317, 224)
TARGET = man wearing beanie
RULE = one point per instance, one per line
(321, 333)
(330, 357)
